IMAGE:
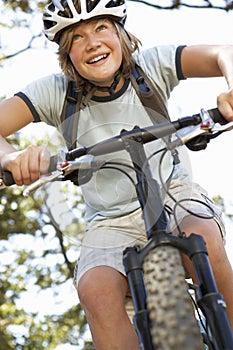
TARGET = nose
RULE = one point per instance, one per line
(92, 42)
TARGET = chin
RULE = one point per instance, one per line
(105, 82)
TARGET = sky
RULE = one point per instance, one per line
(212, 168)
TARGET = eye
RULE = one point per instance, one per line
(101, 27)
(76, 37)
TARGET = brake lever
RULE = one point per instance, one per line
(207, 127)
(221, 128)
(42, 181)
(210, 125)
(83, 163)
(64, 169)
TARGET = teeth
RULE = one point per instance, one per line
(97, 58)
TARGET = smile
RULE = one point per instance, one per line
(97, 59)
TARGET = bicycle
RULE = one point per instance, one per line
(145, 265)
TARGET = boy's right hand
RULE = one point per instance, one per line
(28, 165)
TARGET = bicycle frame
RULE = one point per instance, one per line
(209, 300)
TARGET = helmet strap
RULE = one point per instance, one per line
(110, 89)
(91, 88)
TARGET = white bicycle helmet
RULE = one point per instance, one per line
(61, 14)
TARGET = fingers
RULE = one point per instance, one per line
(225, 105)
(44, 160)
(28, 165)
(33, 163)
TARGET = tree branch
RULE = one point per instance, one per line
(29, 46)
(59, 235)
(178, 3)
(69, 265)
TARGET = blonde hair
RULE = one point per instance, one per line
(129, 44)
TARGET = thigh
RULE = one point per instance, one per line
(190, 200)
(102, 287)
(209, 229)
(212, 234)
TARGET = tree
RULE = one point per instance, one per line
(20, 329)
(26, 268)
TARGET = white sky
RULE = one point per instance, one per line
(211, 168)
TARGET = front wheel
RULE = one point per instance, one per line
(172, 320)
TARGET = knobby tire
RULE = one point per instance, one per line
(171, 314)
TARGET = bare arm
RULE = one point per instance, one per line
(14, 115)
(27, 165)
(212, 61)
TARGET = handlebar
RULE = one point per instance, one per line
(151, 133)
(208, 123)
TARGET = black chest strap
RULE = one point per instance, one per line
(70, 115)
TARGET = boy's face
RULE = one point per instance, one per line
(96, 51)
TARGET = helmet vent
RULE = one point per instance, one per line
(49, 24)
(115, 3)
(51, 7)
(91, 4)
(66, 12)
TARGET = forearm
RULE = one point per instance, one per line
(5, 148)
(208, 61)
(225, 64)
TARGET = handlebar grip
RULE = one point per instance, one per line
(217, 116)
(7, 178)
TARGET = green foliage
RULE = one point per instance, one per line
(25, 267)
(17, 213)
(27, 6)
(24, 5)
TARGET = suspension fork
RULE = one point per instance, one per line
(209, 300)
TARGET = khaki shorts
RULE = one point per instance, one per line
(104, 242)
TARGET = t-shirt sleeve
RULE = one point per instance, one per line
(178, 62)
(45, 97)
(163, 66)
